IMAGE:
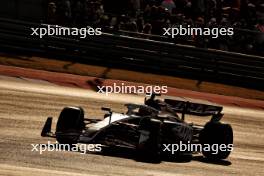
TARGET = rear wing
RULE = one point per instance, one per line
(198, 109)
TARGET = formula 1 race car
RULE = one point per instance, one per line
(146, 128)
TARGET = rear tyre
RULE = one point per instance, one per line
(215, 135)
(70, 125)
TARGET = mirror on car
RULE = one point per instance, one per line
(106, 109)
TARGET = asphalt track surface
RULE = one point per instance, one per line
(26, 103)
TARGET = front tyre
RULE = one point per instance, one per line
(70, 125)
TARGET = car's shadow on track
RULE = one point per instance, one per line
(127, 154)
(132, 154)
(210, 161)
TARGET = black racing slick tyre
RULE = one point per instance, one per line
(148, 148)
(218, 138)
(70, 125)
